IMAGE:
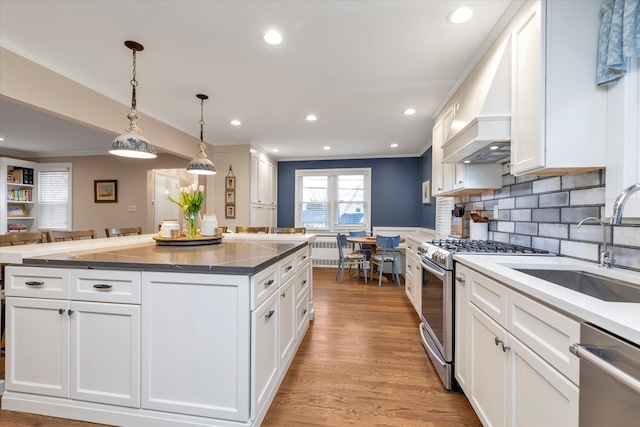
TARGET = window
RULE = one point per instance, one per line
(331, 199)
(54, 196)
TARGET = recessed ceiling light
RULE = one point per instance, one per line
(394, 145)
(1, 139)
(467, 161)
(494, 147)
(276, 150)
(409, 111)
(311, 118)
(272, 37)
(460, 15)
(235, 122)
(326, 147)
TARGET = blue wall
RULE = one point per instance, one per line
(396, 196)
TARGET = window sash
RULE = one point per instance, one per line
(54, 197)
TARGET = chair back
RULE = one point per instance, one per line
(128, 231)
(288, 230)
(61, 236)
(16, 239)
(388, 242)
(252, 230)
(342, 243)
(358, 233)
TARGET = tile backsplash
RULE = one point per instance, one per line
(543, 212)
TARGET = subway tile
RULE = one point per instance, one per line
(527, 202)
(502, 193)
(591, 233)
(509, 203)
(554, 199)
(475, 197)
(547, 185)
(626, 257)
(525, 178)
(551, 245)
(478, 206)
(626, 236)
(501, 237)
(586, 179)
(508, 180)
(493, 225)
(504, 215)
(590, 196)
(559, 231)
(521, 215)
(530, 228)
(578, 214)
(523, 189)
(545, 215)
(489, 204)
(487, 195)
(586, 251)
(506, 226)
(517, 239)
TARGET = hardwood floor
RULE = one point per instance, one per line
(361, 363)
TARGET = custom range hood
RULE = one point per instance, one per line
(485, 107)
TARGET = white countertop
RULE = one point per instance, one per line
(620, 318)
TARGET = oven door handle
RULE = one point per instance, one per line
(439, 273)
(583, 353)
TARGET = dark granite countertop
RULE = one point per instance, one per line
(229, 257)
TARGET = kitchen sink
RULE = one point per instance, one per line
(590, 284)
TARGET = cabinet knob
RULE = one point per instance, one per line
(61, 311)
(304, 282)
(289, 268)
(461, 280)
(460, 181)
(304, 311)
(284, 295)
(269, 314)
(70, 312)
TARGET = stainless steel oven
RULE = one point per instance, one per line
(436, 328)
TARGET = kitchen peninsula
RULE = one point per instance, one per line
(146, 335)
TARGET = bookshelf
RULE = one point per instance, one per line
(18, 209)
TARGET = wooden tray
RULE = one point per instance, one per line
(186, 241)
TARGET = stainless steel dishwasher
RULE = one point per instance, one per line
(609, 379)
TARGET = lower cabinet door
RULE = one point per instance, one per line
(287, 320)
(302, 314)
(488, 377)
(539, 394)
(37, 339)
(265, 357)
(105, 353)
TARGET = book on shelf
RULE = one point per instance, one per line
(17, 228)
(19, 195)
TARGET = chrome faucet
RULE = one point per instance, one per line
(621, 200)
(606, 257)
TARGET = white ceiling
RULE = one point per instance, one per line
(355, 64)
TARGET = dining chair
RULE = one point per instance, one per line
(386, 253)
(126, 231)
(350, 259)
(61, 236)
(289, 230)
(252, 230)
(363, 249)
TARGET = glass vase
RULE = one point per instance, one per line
(191, 219)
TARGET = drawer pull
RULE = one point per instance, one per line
(304, 282)
(34, 284)
(460, 280)
(70, 312)
(61, 311)
(304, 311)
(103, 286)
(284, 295)
(269, 283)
(498, 341)
(288, 269)
(304, 257)
(269, 314)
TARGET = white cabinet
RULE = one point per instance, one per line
(81, 350)
(263, 175)
(512, 355)
(18, 210)
(558, 115)
(413, 276)
(195, 346)
(265, 357)
(287, 320)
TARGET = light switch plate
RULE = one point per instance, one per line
(132, 208)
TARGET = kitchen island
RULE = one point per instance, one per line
(146, 335)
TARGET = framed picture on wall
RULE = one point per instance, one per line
(231, 183)
(230, 197)
(105, 191)
(426, 192)
(230, 212)
(16, 210)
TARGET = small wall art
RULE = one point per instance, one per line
(105, 191)
(426, 192)
(230, 195)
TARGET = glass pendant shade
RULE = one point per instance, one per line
(132, 143)
(201, 165)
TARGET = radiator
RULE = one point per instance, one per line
(325, 251)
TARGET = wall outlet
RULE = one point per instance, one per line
(495, 212)
(132, 208)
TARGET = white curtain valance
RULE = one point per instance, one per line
(619, 39)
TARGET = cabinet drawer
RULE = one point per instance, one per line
(106, 286)
(547, 332)
(302, 282)
(489, 296)
(287, 268)
(263, 285)
(302, 257)
(302, 314)
(37, 282)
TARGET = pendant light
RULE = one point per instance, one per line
(200, 165)
(132, 143)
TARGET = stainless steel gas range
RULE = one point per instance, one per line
(437, 327)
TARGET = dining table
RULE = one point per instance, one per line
(371, 241)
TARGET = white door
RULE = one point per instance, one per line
(164, 182)
(105, 353)
(287, 320)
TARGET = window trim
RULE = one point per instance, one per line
(333, 202)
(58, 167)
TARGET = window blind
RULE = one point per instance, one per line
(54, 201)
(444, 206)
